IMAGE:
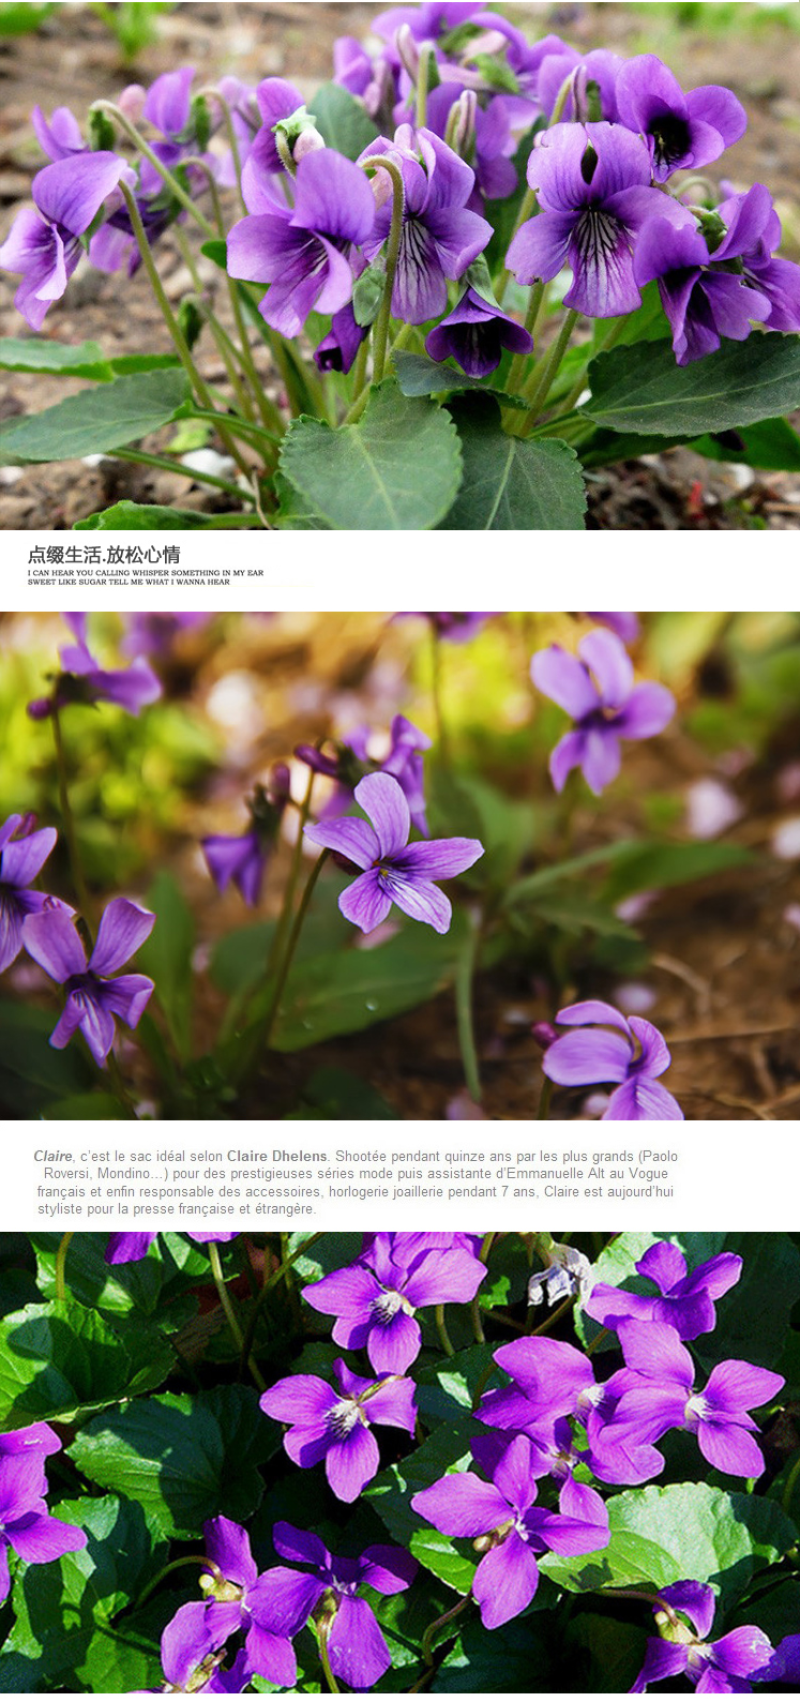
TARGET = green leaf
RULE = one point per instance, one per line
(30, 1068)
(511, 485)
(391, 1491)
(62, 1361)
(753, 1320)
(296, 512)
(334, 1095)
(341, 119)
(686, 1530)
(418, 375)
(20, 17)
(558, 874)
(652, 866)
(772, 444)
(525, 1662)
(397, 470)
(40, 354)
(184, 1458)
(167, 957)
(144, 517)
(157, 1288)
(346, 992)
(642, 389)
(62, 1609)
(216, 250)
(96, 421)
(80, 1107)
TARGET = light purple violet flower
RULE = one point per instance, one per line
(682, 131)
(337, 351)
(684, 1301)
(353, 763)
(33, 1439)
(593, 185)
(374, 1301)
(440, 236)
(95, 993)
(302, 253)
(495, 174)
(335, 1427)
(82, 680)
(192, 1652)
(243, 858)
(626, 626)
(599, 67)
(155, 634)
(664, 1398)
(276, 100)
(44, 245)
(599, 693)
(234, 1603)
(784, 1666)
(475, 334)
(284, 1599)
(634, 1055)
(25, 1524)
(59, 138)
(462, 1505)
(394, 871)
(722, 1667)
(22, 854)
(124, 1248)
(428, 21)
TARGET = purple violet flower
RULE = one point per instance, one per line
(626, 626)
(232, 1605)
(394, 871)
(456, 628)
(168, 105)
(59, 138)
(285, 1599)
(191, 1662)
(95, 993)
(509, 1529)
(440, 236)
(634, 1055)
(155, 634)
(124, 1248)
(664, 1398)
(703, 303)
(683, 1645)
(22, 854)
(684, 1301)
(44, 245)
(784, 1666)
(682, 131)
(475, 334)
(374, 1301)
(335, 1427)
(599, 693)
(302, 254)
(593, 184)
(82, 680)
(352, 763)
(243, 858)
(276, 100)
(337, 351)
(495, 174)
(25, 1524)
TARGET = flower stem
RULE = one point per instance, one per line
(788, 1488)
(61, 1259)
(212, 92)
(322, 1637)
(271, 1282)
(543, 1113)
(546, 1327)
(76, 866)
(579, 386)
(436, 1625)
(518, 364)
(284, 919)
(465, 972)
(181, 195)
(552, 362)
(172, 1566)
(162, 464)
(294, 936)
(441, 1330)
(436, 692)
(423, 80)
(182, 348)
(380, 335)
(227, 1307)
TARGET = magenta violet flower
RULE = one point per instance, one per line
(394, 872)
(242, 858)
(475, 334)
(509, 1529)
(286, 1598)
(25, 1524)
(337, 1428)
(232, 1605)
(599, 693)
(192, 1661)
(683, 131)
(633, 1054)
(684, 1301)
(374, 1301)
(683, 1646)
(95, 993)
(302, 253)
(440, 236)
(23, 852)
(82, 680)
(44, 245)
(664, 1398)
(124, 1248)
(593, 185)
(352, 763)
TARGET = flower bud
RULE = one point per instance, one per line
(544, 1034)
(461, 125)
(407, 51)
(308, 142)
(131, 101)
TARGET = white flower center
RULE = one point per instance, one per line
(343, 1417)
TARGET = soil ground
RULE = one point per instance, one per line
(74, 60)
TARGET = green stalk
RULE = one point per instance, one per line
(465, 971)
(423, 80)
(518, 364)
(210, 91)
(436, 1625)
(227, 1307)
(380, 335)
(162, 464)
(175, 188)
(551, 365)
(291, 885)
(788, 1488)
(441, 1331)
(61, 1259)
(322, 1638)
(172, 1566)
(436, 692)
(182, 348)
(580, 383)
(294, 936)
(76, 866)
(543, 1113)
(271, 1282)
